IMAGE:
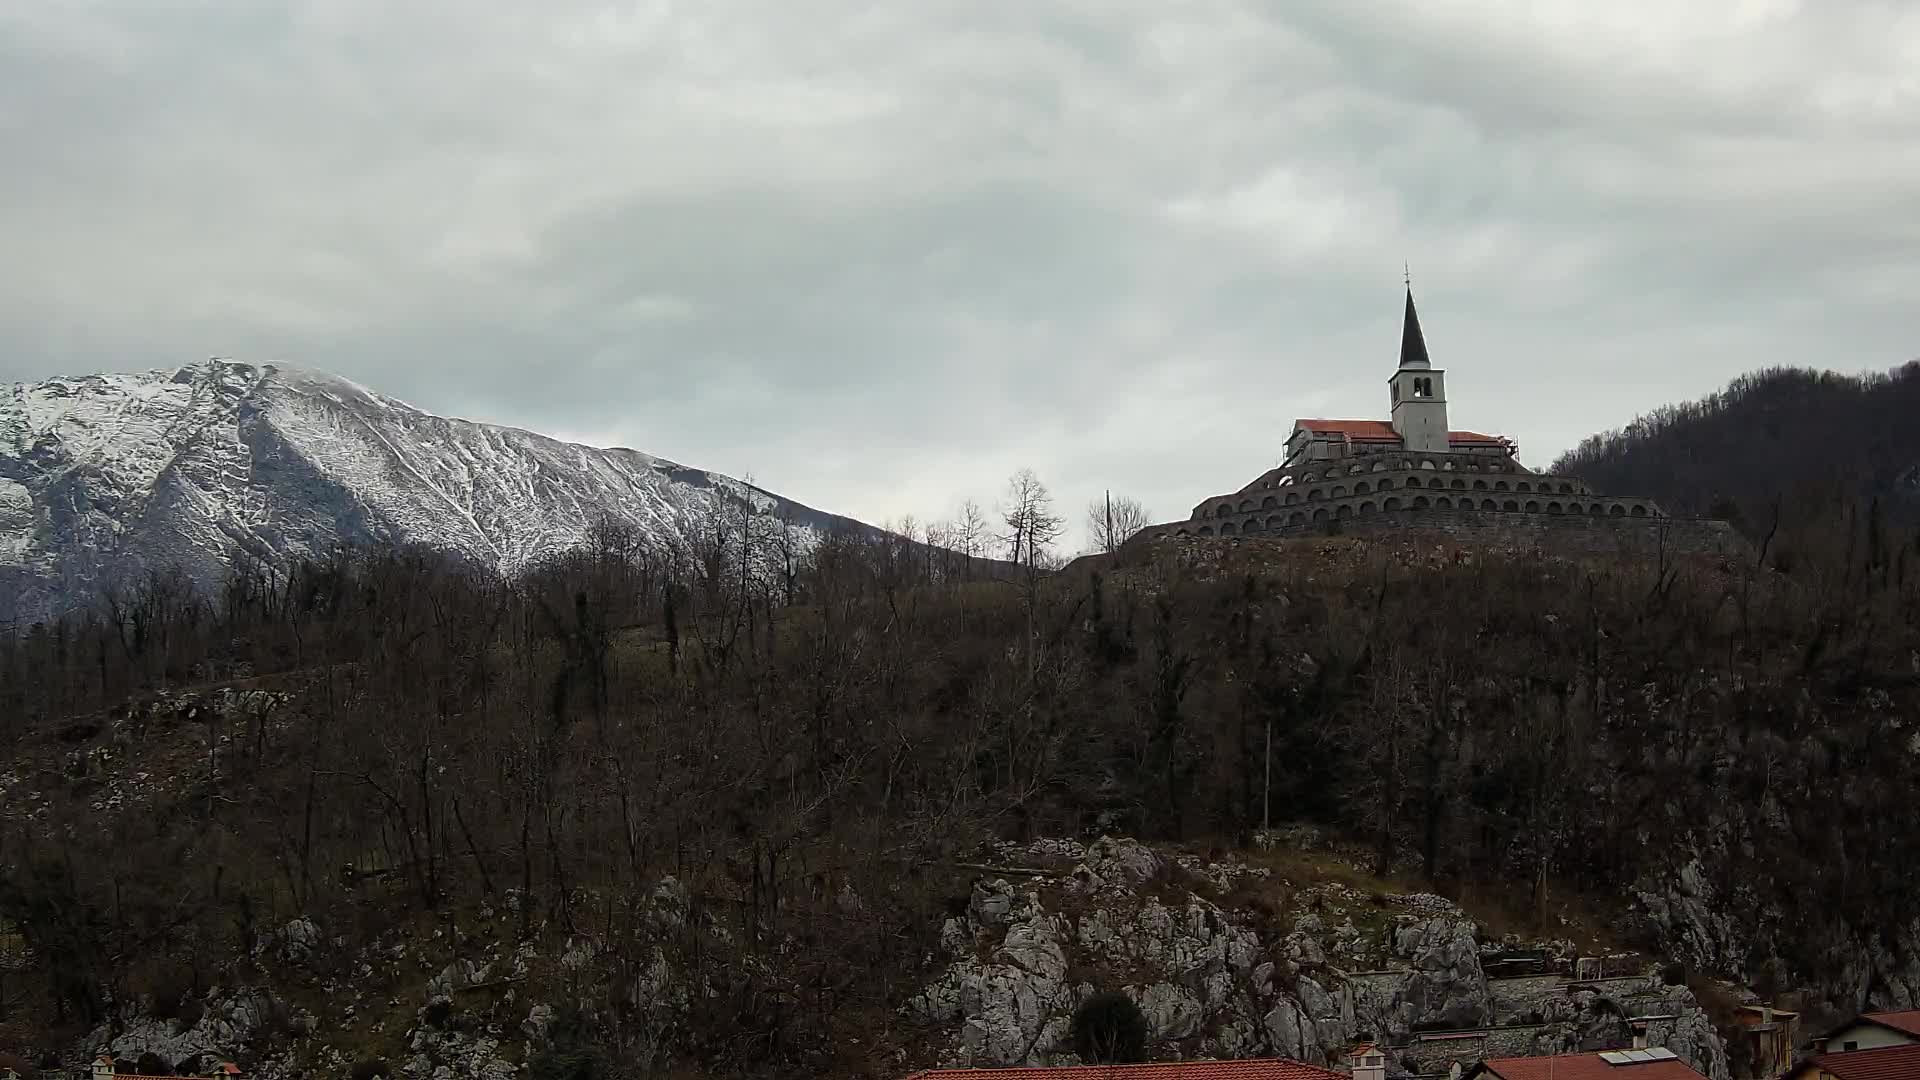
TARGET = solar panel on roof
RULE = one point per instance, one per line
(1638, 1057)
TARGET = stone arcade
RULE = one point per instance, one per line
(1413, 472)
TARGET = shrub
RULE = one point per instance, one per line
(1109, 1029)
(572, 1055)
(171, 990)
(573, 1063)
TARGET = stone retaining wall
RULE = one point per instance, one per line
(1570, 534)
(1563, 534)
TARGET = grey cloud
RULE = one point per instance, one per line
(877, 256)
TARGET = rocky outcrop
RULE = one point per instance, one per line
(1445, 986)
(1738, 934)
(228, 1022)
(1211, 983)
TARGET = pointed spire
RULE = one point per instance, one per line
(1413, 344)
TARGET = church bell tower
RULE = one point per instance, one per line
(1419, 391)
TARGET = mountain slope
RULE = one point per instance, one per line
(106, 476)
(1797, 436)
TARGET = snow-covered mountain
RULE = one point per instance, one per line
(103, 476)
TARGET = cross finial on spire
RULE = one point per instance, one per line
(1409, 274)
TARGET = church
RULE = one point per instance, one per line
(1414, 471)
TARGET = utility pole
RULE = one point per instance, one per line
(1266, 783)
(1107, 540)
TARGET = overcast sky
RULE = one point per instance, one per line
(877, 255)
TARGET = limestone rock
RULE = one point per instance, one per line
(1447, 988)
(538, 1023)
(1172, 1012)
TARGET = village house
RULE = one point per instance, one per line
(106, 1068)
(1900, 1062)
(1365, 1062)
(1647, 1064)
(1870, 1031)
(1769, 1036)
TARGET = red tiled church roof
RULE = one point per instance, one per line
(1884, 1063)
(1262, 1069)
(1583, 1067)
(1360, 430)
(1382, 431)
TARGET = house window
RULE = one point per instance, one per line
(1850, 1046)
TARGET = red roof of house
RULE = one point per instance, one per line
(1907, 1020)
(1585, 1067)
(1382, 431)
(1885, 1063)
(1260, 1069)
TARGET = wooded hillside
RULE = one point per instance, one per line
(432, 738)
(1791, 438)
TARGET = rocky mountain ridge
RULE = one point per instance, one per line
(106, 477)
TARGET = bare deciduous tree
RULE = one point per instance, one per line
(1113, 520)
(1032, 526)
